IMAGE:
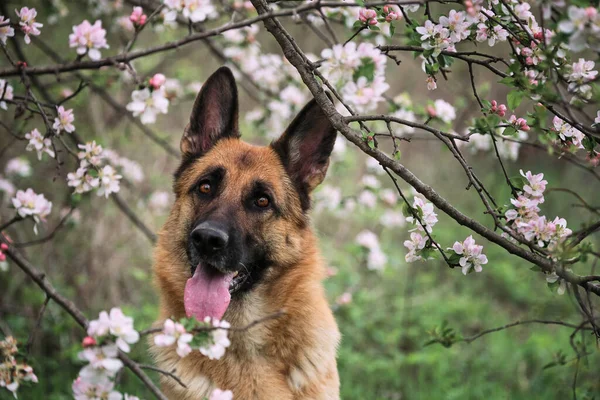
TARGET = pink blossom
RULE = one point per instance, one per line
(435, 37)
(499, 109)
(431, 83)
(367, 16)
(138, 17)
(197, 10)
(367, 239)
(344, 298)
(125, 23)
(457, 25)
(365, 95)
(496, 33)
(522, 11)
(38, 143)
(376, 259)
(64, 121)
(471, 255)
(582, 71)
(102, 362)
(88, 38)
(428, 218)
(147, 104)
(5, 31)
(519, 124)
(392, 13)
(89, 341)
(27, 23)
(536, 184)
(157, 81)
(444, 110)
(121, 327)
(416, 243)
(109, 181)
(218, 340)
(174, 332)
(99, 327)
(594, 159)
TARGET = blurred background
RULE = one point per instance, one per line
(387, 316)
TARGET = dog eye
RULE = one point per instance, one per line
(262, 202)
(205, 188)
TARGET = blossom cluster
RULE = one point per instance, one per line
(455, 28)
(524, 218)
(212, 342)
(508, 145)
(583, 26)
(567, 134)
(580, 75)
(13, 372)
(359, 72)
(91, 174)
(376, 258)
(471, 258)
(422, 215)
(270, 72)
(27, 24)
(371, 17)
(107, 335)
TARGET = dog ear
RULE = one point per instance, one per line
(214, 116)
(305, 148)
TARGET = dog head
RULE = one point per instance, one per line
(240, 210)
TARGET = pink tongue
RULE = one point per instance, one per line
(207, 294)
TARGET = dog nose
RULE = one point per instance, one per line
(209, 238)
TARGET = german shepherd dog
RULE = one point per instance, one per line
(238, 245)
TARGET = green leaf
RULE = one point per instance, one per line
(588, 144)
(514, 98)
(509, 131)
(493, 120)
(509, 81)
(454, 258)
(366, 69)
(429, 252)
(392, 29)
(518, 181)
(553, 286)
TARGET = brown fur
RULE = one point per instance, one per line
(291, 357)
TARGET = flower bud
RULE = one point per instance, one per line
(88, 341)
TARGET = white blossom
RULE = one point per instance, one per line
(38, 143)
(148, 104)
(218, 338)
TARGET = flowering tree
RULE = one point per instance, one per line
(542, 52)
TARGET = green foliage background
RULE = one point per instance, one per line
(104, 261)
